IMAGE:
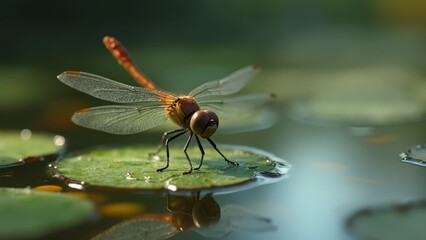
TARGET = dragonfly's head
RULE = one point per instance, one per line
(204, 123)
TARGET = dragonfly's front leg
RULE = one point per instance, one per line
(217, 150)
(181, 132)
(202, 152)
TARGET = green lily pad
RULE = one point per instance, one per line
(26, 213)
(415, 155)
(18, 145)
(400, 221)
(132, 167)
(143, 228)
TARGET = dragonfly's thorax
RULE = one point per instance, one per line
(181, 110)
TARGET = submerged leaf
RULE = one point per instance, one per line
(132, 167)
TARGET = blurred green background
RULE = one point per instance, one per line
(358, 66)
(183, 44)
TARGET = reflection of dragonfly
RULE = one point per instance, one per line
(148, 107)
(204, 215)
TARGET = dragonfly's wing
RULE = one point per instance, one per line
(242, 219)
(236, 218)
(121, 119)
(242, 113)
(109, 90)
(226, 86)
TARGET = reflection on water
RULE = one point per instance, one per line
(202, 214)
(335, 173)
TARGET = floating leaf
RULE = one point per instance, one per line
(131, 167)
(404, 221)
(18, 145)
(143, 228)
(415, 155)
(28, 213)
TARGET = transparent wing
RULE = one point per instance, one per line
(242, 113)
(242, 219)
(121, 119)
(109, 90)
(226, 86)
(237, 218)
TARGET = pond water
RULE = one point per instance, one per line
(336, 172)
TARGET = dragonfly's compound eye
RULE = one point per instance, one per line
(204, 123)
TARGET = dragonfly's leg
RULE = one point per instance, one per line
(227, 160)
(186, 154)
(202, 152)
(167, 148)
(163, 140)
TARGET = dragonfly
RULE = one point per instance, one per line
(148, 106)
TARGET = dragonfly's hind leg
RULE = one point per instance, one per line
(163, 141)
(217, 150)
(180, 132)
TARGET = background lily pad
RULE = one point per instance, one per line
(415, 155)
(401, 221)
(143, 228)
(18, 145)
(27, 213)
(132, 167)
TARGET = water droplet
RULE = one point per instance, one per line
(129, 176)
(415, 155)
(26, 134)
(76, 185)
(58, 140)
(172, 187)
(147, 179)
